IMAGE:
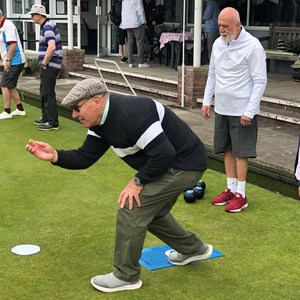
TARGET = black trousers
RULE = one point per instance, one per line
(48, 95)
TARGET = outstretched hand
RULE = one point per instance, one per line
(42, 151)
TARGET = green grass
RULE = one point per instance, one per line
(71, 216)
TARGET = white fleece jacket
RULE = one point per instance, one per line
(133, 14)
(237, 76)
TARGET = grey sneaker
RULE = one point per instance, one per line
(110, 283)
(179, 259)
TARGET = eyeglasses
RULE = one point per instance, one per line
(76, 107)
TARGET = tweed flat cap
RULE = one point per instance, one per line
(85, 89)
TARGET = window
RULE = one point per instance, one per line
(17, 6)
(173, 11)
(46, 4)
(190, 11)
(63, 29)
(264, 12)
(279, 12)
(30, 44)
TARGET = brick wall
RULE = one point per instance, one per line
(72, 61)
(194, 85)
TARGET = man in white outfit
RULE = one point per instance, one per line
(237, 78)
(134, 20)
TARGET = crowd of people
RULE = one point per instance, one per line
(165, 152)
(50, 62)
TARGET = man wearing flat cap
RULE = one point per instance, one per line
(50, 60)
(168, 157)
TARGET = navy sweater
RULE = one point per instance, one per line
(147, 135)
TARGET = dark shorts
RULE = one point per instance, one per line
(10, 79)
(122, 36)
(231, 135)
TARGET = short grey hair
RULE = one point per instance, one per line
(1, 13)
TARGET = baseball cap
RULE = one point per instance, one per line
(38, 9)
(85, 89)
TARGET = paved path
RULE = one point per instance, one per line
(276, 143)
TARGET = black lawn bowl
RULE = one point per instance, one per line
(199, 192)
(190, 196)
(202, 184)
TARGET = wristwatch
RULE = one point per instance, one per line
(137, 181)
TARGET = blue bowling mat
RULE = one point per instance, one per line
(154, 258)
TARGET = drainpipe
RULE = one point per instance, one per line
(197, 33)
(183, 51)
(70, 25)
(98, 12)
(8, 9)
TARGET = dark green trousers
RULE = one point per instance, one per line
(157, 199)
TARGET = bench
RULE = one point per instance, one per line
(287, 34)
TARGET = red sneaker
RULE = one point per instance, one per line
(223, 198)
(237, 204)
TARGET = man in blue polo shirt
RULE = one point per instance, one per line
(13, 61)
(50, 60)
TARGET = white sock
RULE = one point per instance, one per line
(231, 184)
(241, 188)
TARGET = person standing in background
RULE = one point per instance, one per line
(134, 20)
(13, 59)
(115, 16)
(122, 36)
(237, 77)
(149, 6)
(210, 17)
(50, 60)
